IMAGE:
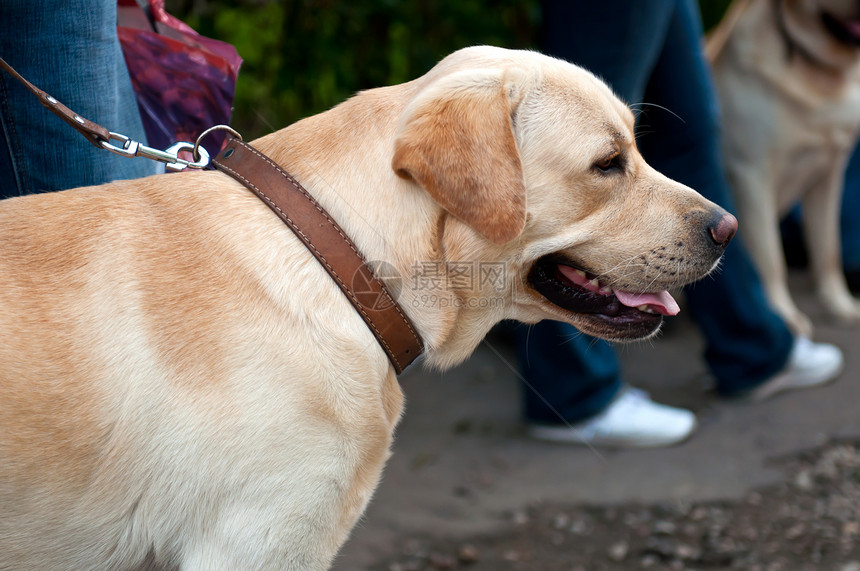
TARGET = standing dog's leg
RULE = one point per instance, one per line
(821, 228)
(758, 216)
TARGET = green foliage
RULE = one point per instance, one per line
(304, 56)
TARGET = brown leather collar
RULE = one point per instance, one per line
(302, 214)
(329, 245)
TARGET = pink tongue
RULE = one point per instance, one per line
(661, 302)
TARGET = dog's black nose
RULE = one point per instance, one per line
(723, 230)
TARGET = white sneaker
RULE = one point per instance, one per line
(632, 420)
(809, 365)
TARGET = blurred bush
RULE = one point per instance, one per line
(304, 56)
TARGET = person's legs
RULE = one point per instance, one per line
(574, 393)
(69, 49)
(747, 343)
(617, 40)
(569, 375)
(572, 377)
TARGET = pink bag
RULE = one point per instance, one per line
(184, 82)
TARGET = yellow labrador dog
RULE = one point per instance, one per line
(788, 75)
(181, 381)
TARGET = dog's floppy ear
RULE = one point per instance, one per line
(456, 140)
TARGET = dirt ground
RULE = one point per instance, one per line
(810, 521)
(767, 487)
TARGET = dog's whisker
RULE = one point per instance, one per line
(628, 263)
(647, 104)
(630, 270)
(264, 120)
(626, 266)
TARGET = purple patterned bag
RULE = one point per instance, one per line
(184, 82)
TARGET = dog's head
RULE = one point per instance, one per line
(535, 161)
(827, 30)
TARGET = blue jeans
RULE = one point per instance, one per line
(70, 49)
(650, 50)
(850, 222)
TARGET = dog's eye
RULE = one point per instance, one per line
(609, 163)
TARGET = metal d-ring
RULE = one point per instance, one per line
(198, 149)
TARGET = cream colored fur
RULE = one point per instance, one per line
(181, 380)
(790, 123)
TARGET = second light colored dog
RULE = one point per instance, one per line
(788, 75)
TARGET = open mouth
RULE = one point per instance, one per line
(846, 31)
(579, 291)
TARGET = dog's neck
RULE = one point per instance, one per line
(403, 234)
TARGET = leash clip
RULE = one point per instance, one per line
(170, 156)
